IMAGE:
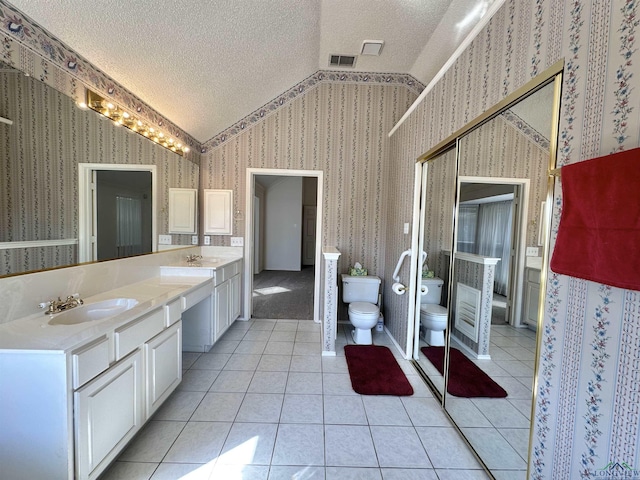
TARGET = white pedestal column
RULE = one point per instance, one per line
(330, 300)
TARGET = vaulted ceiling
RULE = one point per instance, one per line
(207, 64)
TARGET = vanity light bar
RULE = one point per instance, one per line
(119, 117)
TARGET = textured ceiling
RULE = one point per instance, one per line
(207, 64)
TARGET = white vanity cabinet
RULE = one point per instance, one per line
(163, 360)
(209, 315)
(67, 413)
(227, 297)
(531, 296)
(108, 413)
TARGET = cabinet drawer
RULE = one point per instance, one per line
(89, 361)
(134, 334)
(172, 312)
(225, 273)
(191, 298)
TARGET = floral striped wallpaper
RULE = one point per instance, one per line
(586, 417)
(340, 129)
(39, 175)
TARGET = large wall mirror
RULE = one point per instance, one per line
(44, 138)
(484, 227)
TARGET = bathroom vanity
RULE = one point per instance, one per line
(74, 392)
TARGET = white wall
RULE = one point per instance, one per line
(283, 225)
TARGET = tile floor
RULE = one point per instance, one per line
(264, 404)
(498, 428)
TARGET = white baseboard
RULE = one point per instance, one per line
(473, 354)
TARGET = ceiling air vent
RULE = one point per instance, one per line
(348, 61)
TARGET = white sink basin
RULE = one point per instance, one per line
(93, 311)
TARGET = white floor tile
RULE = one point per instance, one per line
(218, 407)
(306, 363)
(351, 473)
(240, 472)
(304, 472)
(183, 471)
(242, 362)
(179, 406)
(302, 409)
(197, 380)
(299, 445)
(268, 382)
(249, 444)
(349, 446)
(247, 347)
(408, 474)
(344, 410)
(337, 384)
(129, 471)
(385, 410)
(399, 447)
(152, 442)
(260, 407)
(304, 383)
(446, 449)
(232, 381)
(199, 442)
(274, 363)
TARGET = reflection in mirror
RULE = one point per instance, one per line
(46, 138)
(123, 209)
(436, 234)
(481, 218)
(503, 168)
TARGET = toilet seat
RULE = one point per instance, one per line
(364, 308)
(429, 310)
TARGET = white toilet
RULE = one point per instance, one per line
(433, 316)
(361, 293)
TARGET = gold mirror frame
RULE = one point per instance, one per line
(551, 75)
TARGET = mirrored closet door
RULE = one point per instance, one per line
(484, 229)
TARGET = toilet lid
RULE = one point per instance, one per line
(363, 307)
(433, 310)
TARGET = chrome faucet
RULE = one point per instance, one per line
(193, 259)
(59, 305)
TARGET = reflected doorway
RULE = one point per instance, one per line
(123, 214)
(116, 182)
(491, 215)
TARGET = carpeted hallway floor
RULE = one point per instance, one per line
(281, 294)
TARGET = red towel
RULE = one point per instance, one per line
(599, 231)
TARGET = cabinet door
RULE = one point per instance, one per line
(182, 210)
(235, 303)
(222, 293)
(108, 413)
(532, 294)
(218, 212)
(163, 355)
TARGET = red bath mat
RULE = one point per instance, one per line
(375, 371)
(466, 379)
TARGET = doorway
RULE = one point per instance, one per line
(491, 218)
(280, 243)
(111, 202)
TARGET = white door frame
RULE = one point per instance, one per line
(86, 234)
(248, 232)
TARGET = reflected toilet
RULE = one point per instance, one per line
(433, 316)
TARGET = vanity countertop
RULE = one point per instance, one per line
(35, 333)
(206, 263)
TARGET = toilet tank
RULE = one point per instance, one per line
(360, 288)
(434, 295)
